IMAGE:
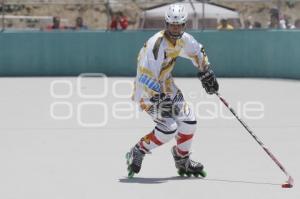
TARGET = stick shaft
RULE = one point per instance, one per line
(254, 136)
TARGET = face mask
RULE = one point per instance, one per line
(174, 35)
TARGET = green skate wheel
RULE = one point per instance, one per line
(203, 174)
(127, 155)
(181, 173)
(188, 174)
(196, 175)
(130, 174)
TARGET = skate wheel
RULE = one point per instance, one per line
(183, 173)
(196, 175)
(180, 173)
(203, 174)
(127, 156)
(130, 174)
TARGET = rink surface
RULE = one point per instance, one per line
(76, 151)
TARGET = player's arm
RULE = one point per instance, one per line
(196, 53)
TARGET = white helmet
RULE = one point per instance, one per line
(176, 14)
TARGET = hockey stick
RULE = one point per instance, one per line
(290, 181)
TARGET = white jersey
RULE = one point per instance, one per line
(156, 61)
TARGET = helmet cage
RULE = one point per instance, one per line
(175, 35)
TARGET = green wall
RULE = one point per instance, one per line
(233, 54)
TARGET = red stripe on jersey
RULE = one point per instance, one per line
(181, 138)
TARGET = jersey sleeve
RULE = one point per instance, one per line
(195, 52)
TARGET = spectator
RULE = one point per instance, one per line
(56, 24)
(297, 24)
(247, 24)
(277, 20)
(274, 21)
(288, 24)
(256, 25)
(224, 25)
(79, 25)
(119, 22)
(282, 23)
(274, 18)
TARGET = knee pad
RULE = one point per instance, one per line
(166, 125)
(187, 127)
(166, 130)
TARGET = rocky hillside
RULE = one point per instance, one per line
(96, 13)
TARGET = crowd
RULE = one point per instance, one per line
(56, 24)
(118, 22)
(276, 21)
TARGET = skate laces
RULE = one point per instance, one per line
(192, 163)
(138, 156)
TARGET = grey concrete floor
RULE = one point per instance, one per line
(60, 141)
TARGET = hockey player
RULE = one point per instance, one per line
(157, 94)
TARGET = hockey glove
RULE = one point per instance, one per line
(209, 81)
(162, 105)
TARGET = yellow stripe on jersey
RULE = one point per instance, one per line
(167, 68)
(173, 54)
(144, 70)
(148, 93)
(133, 92)
(204, 61)
(168, 88)
(196, 59)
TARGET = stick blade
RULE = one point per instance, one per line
(289, 183)
(286, 185)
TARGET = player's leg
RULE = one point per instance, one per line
(186, 124)
(185, 133)
(186, 127)
(163, 132)
(186, 166)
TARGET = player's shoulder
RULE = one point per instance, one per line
(154, 43)
(153, 39)
(187, 37)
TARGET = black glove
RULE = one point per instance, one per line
(162, 104)
(209, 81)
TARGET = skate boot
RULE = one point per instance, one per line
(134, 160)
(186, 166)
